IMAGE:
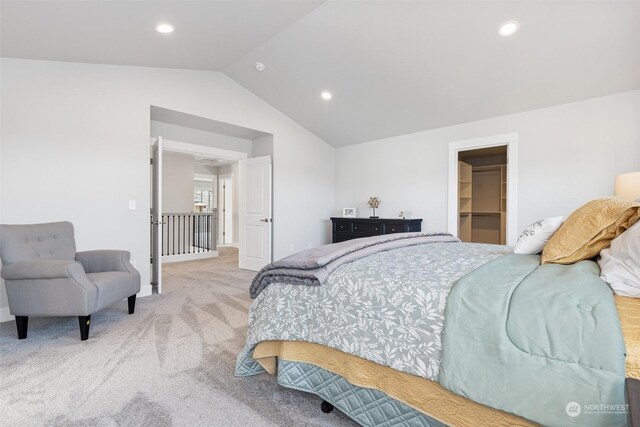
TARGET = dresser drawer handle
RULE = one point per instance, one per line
(376, 228)
(393, 229)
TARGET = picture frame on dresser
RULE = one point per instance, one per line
(348, 212)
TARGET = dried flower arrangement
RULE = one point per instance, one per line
(373, 203)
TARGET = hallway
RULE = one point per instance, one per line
(222, 270)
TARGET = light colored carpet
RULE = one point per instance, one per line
(170, 363)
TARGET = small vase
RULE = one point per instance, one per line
(374, 213)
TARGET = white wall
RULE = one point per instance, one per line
(263, 146)
(78, 134)
(4, 308)
(177, 183)
(199, 137)
(568, 154)
(205, 169)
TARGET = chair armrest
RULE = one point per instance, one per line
(105, 260)
(44, 269)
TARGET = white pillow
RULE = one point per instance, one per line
(620, 263)
(535, 236)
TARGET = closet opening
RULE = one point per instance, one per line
(482, 195)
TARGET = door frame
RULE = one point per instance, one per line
(511, 141)
(221, 202)
(157, 228)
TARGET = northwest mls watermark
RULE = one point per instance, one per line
(574, 409)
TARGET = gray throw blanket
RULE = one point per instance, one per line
(313, 266)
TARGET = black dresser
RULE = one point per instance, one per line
(352, 228)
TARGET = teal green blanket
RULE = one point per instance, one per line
(543, 342)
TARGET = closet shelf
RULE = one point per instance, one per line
(485, 213)
(487, 168)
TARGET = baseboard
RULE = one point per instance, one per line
(229, 245)
(189, 257)
(145, 290)
(5, 316)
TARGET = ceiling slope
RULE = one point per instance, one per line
(209, 35)
(402, 67)
(393, 67)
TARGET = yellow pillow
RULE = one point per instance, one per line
(590, 229)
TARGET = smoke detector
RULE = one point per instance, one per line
(260, 66)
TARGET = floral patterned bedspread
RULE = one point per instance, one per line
(387, 308)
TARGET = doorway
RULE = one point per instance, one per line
(482, 195)
(184, 203)
(220, 149)
(482, 189)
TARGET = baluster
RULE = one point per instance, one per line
(164, 230)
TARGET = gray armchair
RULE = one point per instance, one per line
(45, 276)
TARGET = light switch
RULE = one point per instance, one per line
(132, 205)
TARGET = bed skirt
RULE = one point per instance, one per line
(367, 407)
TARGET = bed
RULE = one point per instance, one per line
(388, 339)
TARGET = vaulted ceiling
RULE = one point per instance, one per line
(392, 67)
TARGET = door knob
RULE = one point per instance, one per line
(265, 220)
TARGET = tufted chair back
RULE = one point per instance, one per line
(32, 242)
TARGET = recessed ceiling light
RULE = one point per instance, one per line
(164, 28)
(508, 28)
(326, 95)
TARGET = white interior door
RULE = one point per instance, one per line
(228, 211)
(255, 213)
(221, 240)
(225, 209)
(156, 215)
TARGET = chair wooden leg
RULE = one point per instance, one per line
(21, 324)
(132, 304)
(85, 322)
